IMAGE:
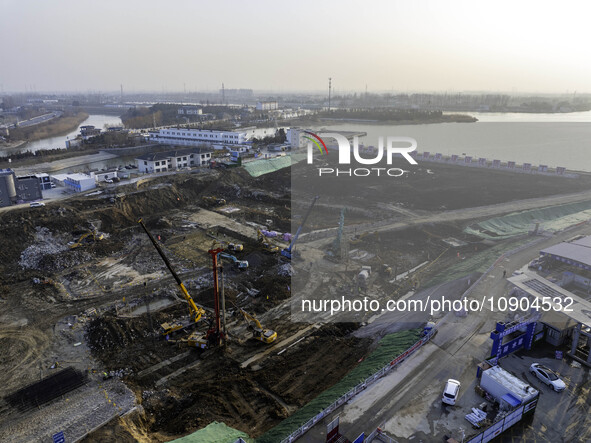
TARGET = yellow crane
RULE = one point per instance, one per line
(260, 333)
(195, 311)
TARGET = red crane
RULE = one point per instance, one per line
(214, 334)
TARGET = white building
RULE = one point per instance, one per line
(173, 160)
(267, 106)
(190, 110)
(79, 182)
(295, 137)
(101, 176)
(195, 137)
(44, 181)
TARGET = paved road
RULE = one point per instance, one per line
(39, 119)
(478, 212)
(406, 403)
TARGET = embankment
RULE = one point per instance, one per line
(53, 128)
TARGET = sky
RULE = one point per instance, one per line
(194, 45)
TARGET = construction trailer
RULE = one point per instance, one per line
(508, 390)
(517, 400)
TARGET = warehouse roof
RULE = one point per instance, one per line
(585, 241)
(572, 251)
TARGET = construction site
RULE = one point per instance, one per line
(151, 309)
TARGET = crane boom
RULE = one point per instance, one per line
(287, 252)
(196, 312)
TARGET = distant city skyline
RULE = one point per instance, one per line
(420, 46)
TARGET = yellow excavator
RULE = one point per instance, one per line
(260, 333)
(87, 238)
(195, 311)
(267, 245)
(234, 247)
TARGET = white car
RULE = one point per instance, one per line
(36, 204)
(108, 180)
(451, 392)
(548, 376)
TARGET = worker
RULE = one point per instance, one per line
(504, 273)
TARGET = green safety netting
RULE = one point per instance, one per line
(391, 346)
(264, 166)
(479, 262)
(214, 433)
(553, 218)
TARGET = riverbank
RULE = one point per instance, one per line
(13, 145)
(316, 120)
(53, 128)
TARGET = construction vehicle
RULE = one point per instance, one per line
(287, 252)
(214, 200)
(87, 238)
(195, 311)
(240, 264)
(260, 333)
(235, 247)
(267, 245)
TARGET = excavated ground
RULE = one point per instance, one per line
(46, 283)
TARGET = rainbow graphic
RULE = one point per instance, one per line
(316, 142)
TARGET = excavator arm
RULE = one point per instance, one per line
(260, 333)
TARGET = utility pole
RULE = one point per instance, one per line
(223, 95)
(329, 87)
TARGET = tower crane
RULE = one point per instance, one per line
(288, 251)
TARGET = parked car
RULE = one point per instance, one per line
(108, 180)
(548, 376)
(451, 392)
(37, 204)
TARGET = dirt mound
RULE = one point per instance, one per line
(110, 335)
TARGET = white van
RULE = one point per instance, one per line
(451, 392)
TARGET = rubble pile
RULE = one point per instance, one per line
(45, 245)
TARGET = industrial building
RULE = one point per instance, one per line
(173, 160)
(15, 189)
(7, 187)
(79, 182)
(577, 252)
(44, 181)
(196, 137)
(567, 304)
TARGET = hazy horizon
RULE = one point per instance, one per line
(386, 46)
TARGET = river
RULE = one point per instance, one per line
(97, 120)
(548, 139)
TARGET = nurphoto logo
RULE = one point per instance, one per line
(394, 145)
